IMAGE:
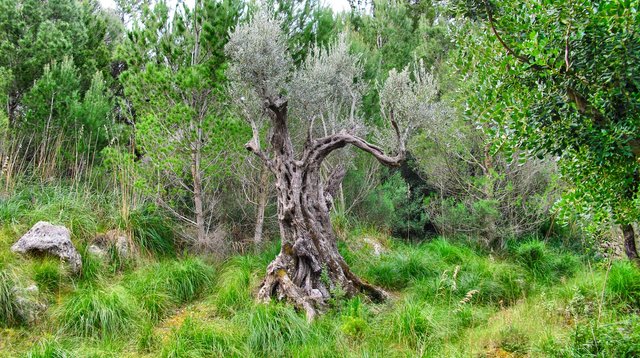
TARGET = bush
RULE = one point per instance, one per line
(10, 313)
(624, 282)
(98, 312)
(616, 339)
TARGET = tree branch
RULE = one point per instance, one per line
(512, 52)
(324, 146)
(332, 184)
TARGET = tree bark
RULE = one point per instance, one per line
(630, 243)
(309, 269)
(12, 108)
(263, 195)
(197, 187)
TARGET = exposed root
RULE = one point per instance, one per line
(278, 284)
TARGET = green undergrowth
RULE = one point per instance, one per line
(448, 299)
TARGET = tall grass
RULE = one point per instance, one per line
(544, 263)
(49, 348)
(161, 286)
(232, 291)
(152, 230)
(94, 311)
(195, 340)
(10, 313)
(48, 274)
(624, 283)
(273, 328)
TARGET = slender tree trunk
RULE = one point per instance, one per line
(491, 231)
(263, 195)
(197, 188)
(12, 108)
(630, 243)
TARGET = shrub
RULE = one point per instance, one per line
(624, 282)
(93, 311)
(10, 313)
(616, 339)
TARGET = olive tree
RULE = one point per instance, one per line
(306, 114)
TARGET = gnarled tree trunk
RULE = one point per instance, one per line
(309, 267)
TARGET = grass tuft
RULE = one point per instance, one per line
(10, 313)
(152, 231)
(163, 285)
(624, 282)
(93, 311)
(48, 274)
(199, 340)
(49, 348)
(274, 327)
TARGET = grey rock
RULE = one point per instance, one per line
(97, 251)
(28, 305)
(112, 238)
(45, 238)
(376, 246)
